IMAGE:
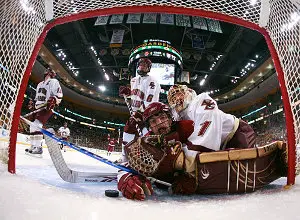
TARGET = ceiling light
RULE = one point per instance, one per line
(202, 82)
(102, 88)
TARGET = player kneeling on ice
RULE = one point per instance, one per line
(48, 95)
(162, 155)
(165, 155)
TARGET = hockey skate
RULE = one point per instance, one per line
(28, 150)
(36, 152)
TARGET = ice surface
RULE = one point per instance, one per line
(36, 192)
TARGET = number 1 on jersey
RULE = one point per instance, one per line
(204, 127)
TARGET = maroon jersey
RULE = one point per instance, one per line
(181, 130)
(111, 144)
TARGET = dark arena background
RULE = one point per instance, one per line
(244, 54)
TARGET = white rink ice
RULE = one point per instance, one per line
(36, 192)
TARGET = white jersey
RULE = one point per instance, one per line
(211, 125)
(144, 90)
(64, 132)
(46, 89)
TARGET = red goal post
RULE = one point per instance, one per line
(24, 26)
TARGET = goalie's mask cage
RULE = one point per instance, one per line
(24, 28)
(186, 94)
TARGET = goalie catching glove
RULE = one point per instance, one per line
(134, 187)
(155, 160)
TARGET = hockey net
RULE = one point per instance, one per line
(24, 25)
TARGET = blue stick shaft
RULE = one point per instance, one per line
(88, 153)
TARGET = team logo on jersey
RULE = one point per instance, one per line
(152, 85)
(209, 104)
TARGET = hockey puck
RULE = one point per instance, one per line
(112, 193)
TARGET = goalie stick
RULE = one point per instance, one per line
(76, 176)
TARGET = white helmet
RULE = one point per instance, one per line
(179, 97)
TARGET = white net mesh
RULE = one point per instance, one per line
(141, 157)
(22, 22)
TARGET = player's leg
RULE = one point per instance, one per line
(40, 119)
(35, 138)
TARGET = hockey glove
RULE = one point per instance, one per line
(133, 122)
(30, 105)
(184, 184)
(51, 103)
(134, 187)
(124, 90)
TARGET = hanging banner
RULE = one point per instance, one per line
(198, 42)
(134, 19)
(117, 38)
(149, 18)
(199, 23)
(116, 19)
(167, 19)
(214, 25)
(101, 20)
(183, 20)
(124, 74)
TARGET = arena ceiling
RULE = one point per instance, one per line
(224, 54)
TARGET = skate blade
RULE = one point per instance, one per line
(34, 155)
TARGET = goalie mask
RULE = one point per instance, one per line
(157, 117)
(143, 66)
(49, 72)
(179, 97)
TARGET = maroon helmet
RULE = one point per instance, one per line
(155, 108)
(50, 72)
(145, 61)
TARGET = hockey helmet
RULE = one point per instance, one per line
(153, 109)
(49, 72)
(142, 62)
(179, 97)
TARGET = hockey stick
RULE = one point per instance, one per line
(70, 175)
(131, 114)
(35, 111)
(90, 154)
